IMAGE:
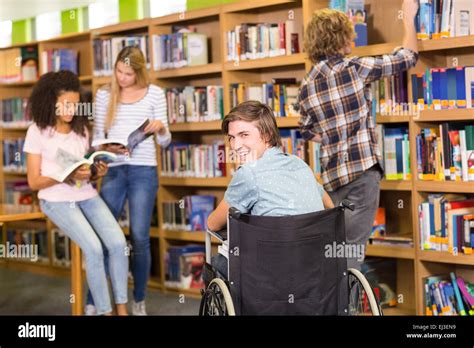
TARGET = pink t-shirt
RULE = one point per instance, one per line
(45, 143)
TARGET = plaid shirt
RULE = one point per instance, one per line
(335, 100)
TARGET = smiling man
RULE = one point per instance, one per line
(268, 181)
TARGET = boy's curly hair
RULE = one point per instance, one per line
(43, 100)
(327, 33)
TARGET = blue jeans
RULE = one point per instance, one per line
(139, 185)
(90, 224)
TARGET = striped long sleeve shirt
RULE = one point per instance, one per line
(128, 117)
(335, 102)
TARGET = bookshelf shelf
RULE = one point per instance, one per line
(186, 16)
(374, 50)
(445, 257)
(396, 185)
(18, 84)
(132, 26)
(85, 78)
(84, 35)
(265, 63)
(196, 126)
(198, 182)
(398, 311)
(287, 122)
(206, 69)
(390, 251)
(255, 4)
(444, 186)
(381, 119)
(445, 115)
(445, 44)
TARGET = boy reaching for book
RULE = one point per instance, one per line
(335, 104)
(268, 182)
(75, 209)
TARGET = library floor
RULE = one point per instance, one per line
(25, 293)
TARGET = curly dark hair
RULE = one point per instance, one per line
(42, 102)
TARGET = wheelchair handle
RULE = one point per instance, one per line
(347, 204)
(234, 212)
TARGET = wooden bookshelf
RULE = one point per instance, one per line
(385, 34)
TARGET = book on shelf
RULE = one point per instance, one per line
(106, 50)
(445, 223)
(18, 193)
(381, 272)
(194, 160)
(281, 95)
(194, 104)
(190, 213)
(13, 161)
(60, 59)
(19, 64)
(446, 153)
(70, 162)
(133, 139)
(442, 19)
(357, 15)
(179, 49)
(379, 227)
(60, 244)
(13, 111)
(263, 40)
(448, 295)
(293, 143)
(395, 147)
(443, 88)
(390, 95)
(183, 266)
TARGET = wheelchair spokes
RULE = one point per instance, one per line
(362, 300)
(216, 300)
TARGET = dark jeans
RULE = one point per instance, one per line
(139, 185)
(219, 262)
(364, 192)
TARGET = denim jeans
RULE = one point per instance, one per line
(90, 224)
(139, 185)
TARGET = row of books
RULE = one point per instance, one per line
(106, 52)
(183, 266)
(444, 18)
(381, 273)
(446, 153)
(14, 113)
(263, 40)
(61, 248)
(37, 239)
(390, 95)
(190, 213)
(60, 59)
(281, 95)
(179, 49)
(18, 193)
(447, 223)
(444, 88)
(293, 143)
(448, 295)
(195, 104)
(13, 157)
(355, 10)
(192, 160)
(395, 147)
(380, 236)
(19, 64)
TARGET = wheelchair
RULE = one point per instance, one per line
(280, 266)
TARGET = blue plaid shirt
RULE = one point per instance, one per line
(335, 101)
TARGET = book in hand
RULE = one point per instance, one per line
(133, 139)
(69, 162)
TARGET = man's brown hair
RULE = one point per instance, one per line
(327, 33)
(258, 113)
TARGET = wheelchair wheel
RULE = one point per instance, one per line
(362, 300)
(216, 300)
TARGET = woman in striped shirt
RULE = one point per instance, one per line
(119, 109)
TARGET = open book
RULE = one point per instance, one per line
(133, 139)
(69, 162)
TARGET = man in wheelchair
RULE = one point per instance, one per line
(268, 181)
(279, 221)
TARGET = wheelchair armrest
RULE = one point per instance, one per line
(347, 204)
(221, 235)
(234, 212)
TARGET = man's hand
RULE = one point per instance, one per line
(102, 169)
(116, 148)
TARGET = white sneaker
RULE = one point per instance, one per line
(90, 310)
(138, 308)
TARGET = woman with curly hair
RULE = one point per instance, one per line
(74, 206)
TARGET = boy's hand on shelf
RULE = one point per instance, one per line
(155, 126)
(409, 8)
